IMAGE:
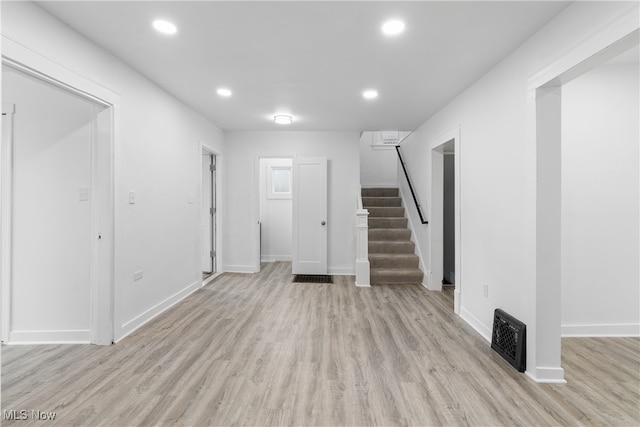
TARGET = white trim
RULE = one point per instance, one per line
(542, 135)
(153, 312)
(274, 258)
(22, 58)
(203, 148)
(437, 146)
(71, 336)
(240, 269)
(602, 44)
(476, 324)
(547, 375)
(607, 330)
(341, 271)
(6, 232)
(26, 60)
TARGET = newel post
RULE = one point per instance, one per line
(362, 241)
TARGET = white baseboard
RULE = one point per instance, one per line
(239, 269)
(611, 330)
(145, 317)
(274, 258)
(547, 375)
(80, 336)
(476, 324)
(341, 271)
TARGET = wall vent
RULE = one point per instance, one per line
(509, 339)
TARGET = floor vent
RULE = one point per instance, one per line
(312, 278)
(509, 339)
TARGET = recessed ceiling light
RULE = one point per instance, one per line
(370, 94)
(393, 27)
(164, 27)
(282, 119)
(224, 92)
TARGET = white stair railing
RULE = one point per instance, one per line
(362, 243)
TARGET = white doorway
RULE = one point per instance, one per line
(276, 209)
(57, 205)
(544, 122)
(445, 258)
(209, 214)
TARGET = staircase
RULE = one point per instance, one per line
(391, 251)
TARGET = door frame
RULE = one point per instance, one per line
(436, 223)
(103, 184)
(216, 189)
(543, 156)
(255, 268)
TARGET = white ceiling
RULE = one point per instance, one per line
(311, 59)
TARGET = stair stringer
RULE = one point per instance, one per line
(426, 278)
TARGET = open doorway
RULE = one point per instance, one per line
(208, 215)
(448, 223)
(545, 115)
(599, 204)
(445, 227)
(276, 208)
(57, 211)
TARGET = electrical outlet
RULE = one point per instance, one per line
(83, 194)
(485, 290)
(138, 275)
(132, 197)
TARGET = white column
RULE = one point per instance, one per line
(362, 241)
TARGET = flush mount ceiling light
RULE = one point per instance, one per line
(282, 119)
(370, 94)
(165, 27)
(393, 27)
(224, 92)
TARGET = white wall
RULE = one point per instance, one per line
(600, 203)
(241, 206)
(496, 173)
(276, 217)
(157, 155)
(51, 224)
(378, 165)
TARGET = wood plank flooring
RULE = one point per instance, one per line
(259, 350)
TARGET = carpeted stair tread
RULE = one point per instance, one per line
(387, 223)
(393, 260)
(379, 192)
(387, 276)
(391, 247)
(386, 212)
(386, 234)
(369, 202)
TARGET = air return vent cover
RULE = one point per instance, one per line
(509, 339)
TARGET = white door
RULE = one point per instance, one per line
(310, 216)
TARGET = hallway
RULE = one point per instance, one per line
(256, 349)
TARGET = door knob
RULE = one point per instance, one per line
(322, 223)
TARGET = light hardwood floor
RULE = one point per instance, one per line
(260, 350)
